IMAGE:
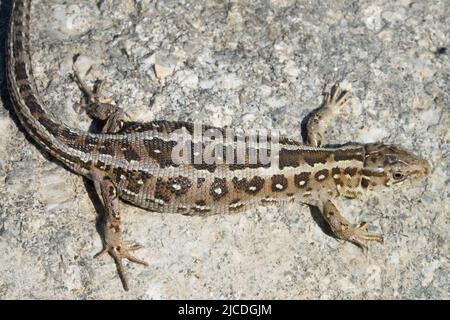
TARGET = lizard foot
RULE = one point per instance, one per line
(111, 115)
(332, 104)
(120, 252)
(360, 235)
(344, 230)
(336, 98)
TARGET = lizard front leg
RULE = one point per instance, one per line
(111, 115)
(113, 242)
(319, 118)
(342, 229)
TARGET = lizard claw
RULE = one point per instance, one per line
(120, 252)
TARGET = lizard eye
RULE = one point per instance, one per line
(398, 176)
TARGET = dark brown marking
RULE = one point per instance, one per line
(102, 165)
(161, 151)
(200, 182)
(25, 89)
(356, 154)
(251, 187)
(179, 185)
(288, 158)
(162, 126)
(219, 184)
(112, 191)
(313, 157)
(133, 186)
(69, 135)
(236, 166)
(90, 140)
(200, 203)
(279, 183)
(298, 178)
(161, 190)
(369, 173)
(18, 48)
(51, 126)
(181, 209)
(350, 171)
(256, 156)
(335, 171)
(34, 106)
(130, 154)
(107, 147)
(321, 175)
(204, 166)
(235, 201)
(20, 70)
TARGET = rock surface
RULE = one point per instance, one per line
(248, 64)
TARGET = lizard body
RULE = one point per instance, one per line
(134, 161)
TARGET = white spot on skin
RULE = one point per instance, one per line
(336, 176)
(122, 177)
(140, 182)
(235, 205)
(321, 177)
(348, 176)
(218, 191)
(176, 186)
(252, 188)
(279, 186)
(159, 201)
(203, 208)
(302, 183)
(157, 151)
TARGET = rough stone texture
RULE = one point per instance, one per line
(248, 64)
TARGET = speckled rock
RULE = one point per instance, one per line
(249, 64)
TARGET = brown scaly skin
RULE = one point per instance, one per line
(133, 161)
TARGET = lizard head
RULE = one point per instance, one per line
(391, 165)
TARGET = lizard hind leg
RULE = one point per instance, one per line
(342, 229)
(113, 241)
(319, 118)
(111, 115)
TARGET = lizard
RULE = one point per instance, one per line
(134, 161)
